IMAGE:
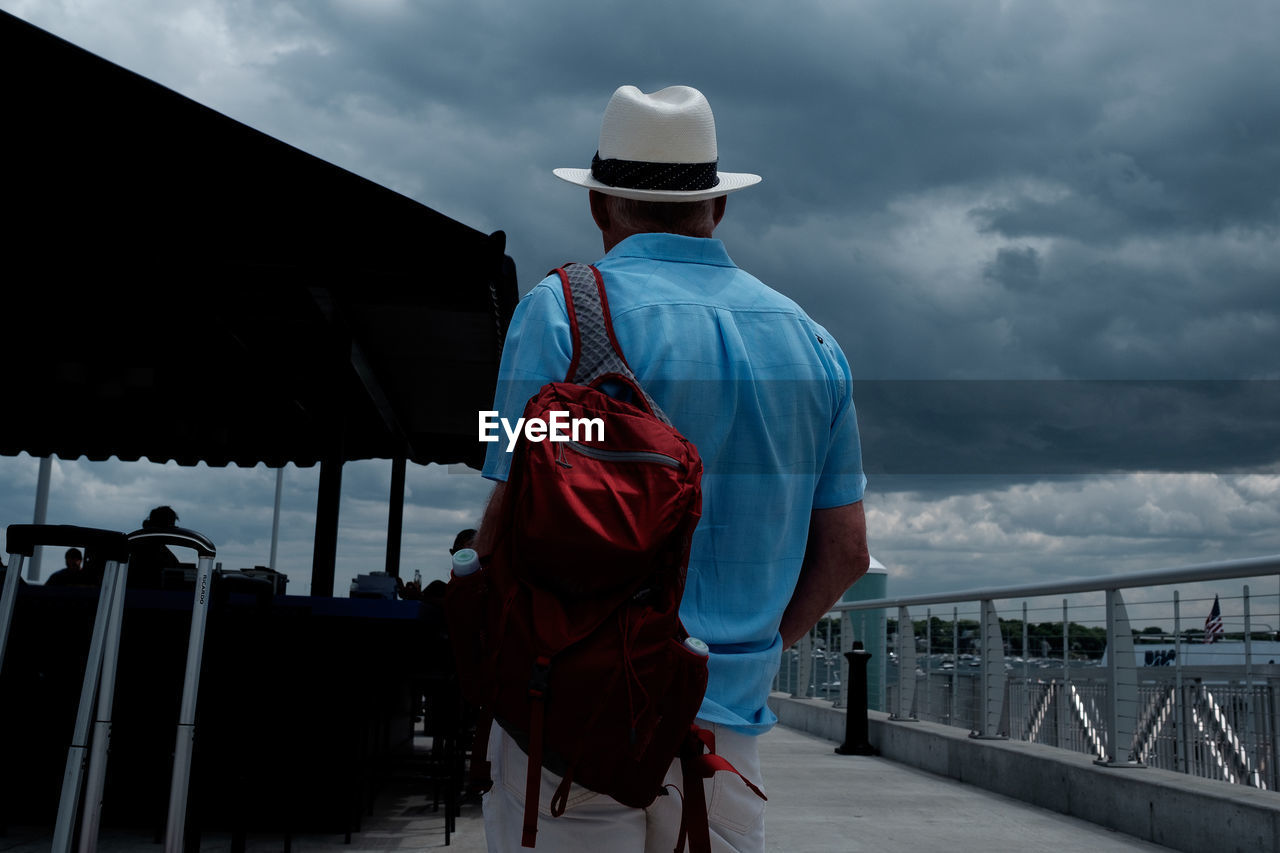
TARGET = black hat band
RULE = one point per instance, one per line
(664, 177)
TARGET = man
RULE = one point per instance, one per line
(73, 573)
(466, 538)
(434, 590)
(148, 559)
(764, 394)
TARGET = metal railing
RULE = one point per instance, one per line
(1162, 697)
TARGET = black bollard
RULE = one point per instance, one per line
(855, 722)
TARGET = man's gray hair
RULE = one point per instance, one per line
(691, 218)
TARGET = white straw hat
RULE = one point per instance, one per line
(658, 147)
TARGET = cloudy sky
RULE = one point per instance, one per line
(1045, 233)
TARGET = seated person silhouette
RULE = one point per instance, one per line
(149, 559)
(464, 539)
(74, 573)
(434, 591)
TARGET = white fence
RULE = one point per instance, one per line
(1075, 673)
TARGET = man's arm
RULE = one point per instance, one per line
(835, 557)
(488, 532)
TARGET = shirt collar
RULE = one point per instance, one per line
(673, 247)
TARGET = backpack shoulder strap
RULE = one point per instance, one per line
(596, 354)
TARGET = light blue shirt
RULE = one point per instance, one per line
(761, 390)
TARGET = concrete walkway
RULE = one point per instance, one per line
(819, 802)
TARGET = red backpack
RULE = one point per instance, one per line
(569, 635)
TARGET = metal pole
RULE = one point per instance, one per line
(812, 690)
(1026, 664)
(906, 646)
(1122, 677)
(856, 741)
(1179, 704)
(41, 513)
(993, 676)
(395, 516)
(77, 753)
(1113, 681)
(1273, 724)
(275, 517)
(805, 664)
(955, 664)
(1248, 689)
(882, 672)
(826, 659)
(928, 655)
(846, 638)
(1064, 733)
(328, 504)
(175, 827)
(1026, 675)
(7, 596)
(98, 752)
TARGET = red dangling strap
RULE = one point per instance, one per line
(533, 776)
(560, 799)
(693, 811)
(711, 764)
(696, 766)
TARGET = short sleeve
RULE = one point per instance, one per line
(841, 480)
(537, 350)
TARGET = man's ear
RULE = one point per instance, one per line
(717, 211)
(599, 209)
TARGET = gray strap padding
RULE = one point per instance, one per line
(596, 354)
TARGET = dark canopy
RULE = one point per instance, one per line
(181, 286)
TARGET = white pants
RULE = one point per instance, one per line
(594, 822)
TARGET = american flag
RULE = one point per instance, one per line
(1213, 623)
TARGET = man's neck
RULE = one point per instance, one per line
(613, 238)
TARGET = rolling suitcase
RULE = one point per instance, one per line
(98, 687)
(87, 757)
(175, 825)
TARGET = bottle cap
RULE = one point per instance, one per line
(696, 646)
(465, 561)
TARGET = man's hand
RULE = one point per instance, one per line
(835, 557)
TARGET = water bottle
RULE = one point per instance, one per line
(696, 646)
(417, 578)
(465, 561)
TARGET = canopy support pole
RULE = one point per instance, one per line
(328, 500)
(41, 513)
(275, 518)
(395, 515)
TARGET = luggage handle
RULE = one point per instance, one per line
(107, 544)
(179, 536)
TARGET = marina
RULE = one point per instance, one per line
(198, 293)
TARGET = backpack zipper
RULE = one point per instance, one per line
(625, 455)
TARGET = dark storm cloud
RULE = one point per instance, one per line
(1030, 429)
(1016, 269)
(999, 197)
(913, 153)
